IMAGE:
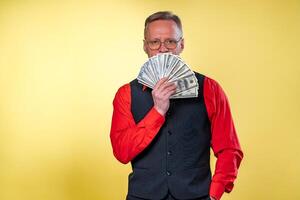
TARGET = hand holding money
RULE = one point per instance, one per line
(161, 95)
(171, 66)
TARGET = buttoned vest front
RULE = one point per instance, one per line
(178, 158)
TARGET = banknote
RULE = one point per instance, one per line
(173, 67)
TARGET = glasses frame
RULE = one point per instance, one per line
(160, 43)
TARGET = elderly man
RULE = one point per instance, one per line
(168, 141)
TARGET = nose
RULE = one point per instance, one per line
(162, 48)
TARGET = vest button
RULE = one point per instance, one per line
(169, 153)
(168, 173)
(170, 133)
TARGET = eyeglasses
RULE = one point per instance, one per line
(168, 43)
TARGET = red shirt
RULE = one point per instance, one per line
(129, 139)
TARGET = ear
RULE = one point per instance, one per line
(181, 45)
(144, 46)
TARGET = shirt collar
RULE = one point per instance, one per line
(144, 87)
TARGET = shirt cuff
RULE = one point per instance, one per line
(153, 119)
(216, 190)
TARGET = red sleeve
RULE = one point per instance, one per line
(224, 140)
(128, 138)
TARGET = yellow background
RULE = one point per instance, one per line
(61, 63)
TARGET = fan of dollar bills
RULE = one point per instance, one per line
(173, 67)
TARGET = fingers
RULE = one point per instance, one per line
(169, 90)
(160, 82)
(164, 89)
(165, 92)
(161, 94)
(166, 85)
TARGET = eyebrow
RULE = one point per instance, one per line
(165, 39)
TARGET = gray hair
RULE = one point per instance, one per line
(163, 15)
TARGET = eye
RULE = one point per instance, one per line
(171, 42)
(154, 42)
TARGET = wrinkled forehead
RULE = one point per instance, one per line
(162, 29)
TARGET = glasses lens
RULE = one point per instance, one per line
(170, 44)
(155, 44)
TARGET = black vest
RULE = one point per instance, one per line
(178, 158)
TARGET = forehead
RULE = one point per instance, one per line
(162, 29)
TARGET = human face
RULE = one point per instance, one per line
(163, 30)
